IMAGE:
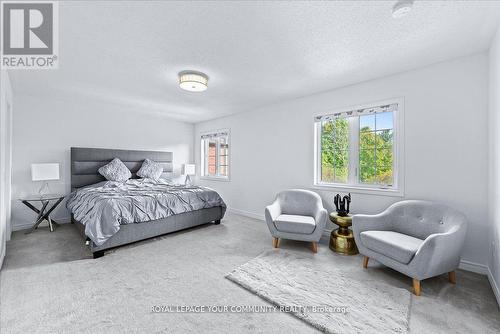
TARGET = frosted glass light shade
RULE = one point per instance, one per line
(189, 169)
(193, 81)
(44, 172)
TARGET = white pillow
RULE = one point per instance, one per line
(150, 170)
(115, 171)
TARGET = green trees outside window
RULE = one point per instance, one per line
(375, 149)
(335, 151)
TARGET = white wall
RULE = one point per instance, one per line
(446, 109)
(6, 107)
(494, 199)
(46, 127)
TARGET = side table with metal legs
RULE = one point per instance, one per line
(43, 213)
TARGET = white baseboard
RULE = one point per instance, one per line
(494, 286)
(325, 236)
(246, 213)
(2, 256)
(20, 227)
(473, 267)
(24, 226)
(327, 232)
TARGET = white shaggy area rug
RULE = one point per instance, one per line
(291, 279)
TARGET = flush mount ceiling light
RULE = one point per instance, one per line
(193, 81)
(401, 8)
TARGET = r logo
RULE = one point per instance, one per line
(28, 29)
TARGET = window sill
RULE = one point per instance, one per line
(360, 190)
(215, 178)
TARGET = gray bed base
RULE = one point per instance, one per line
(130, 233)
(84, 165)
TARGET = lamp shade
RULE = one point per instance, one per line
(44, 172)
(189, 169)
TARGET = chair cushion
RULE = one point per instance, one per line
(397, 246)
(295, 224)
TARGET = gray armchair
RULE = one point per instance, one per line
(298, 215)
(417, 238)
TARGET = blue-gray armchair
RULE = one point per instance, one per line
(417, 238)
(298, 215)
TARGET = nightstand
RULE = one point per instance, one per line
(43, 212)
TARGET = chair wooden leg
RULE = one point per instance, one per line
(452, 277)
(365, 262)
(276, 242)
(416, 287)
(314, 247)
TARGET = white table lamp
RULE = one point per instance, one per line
(44, 172)
(188, 170)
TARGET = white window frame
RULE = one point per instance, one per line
(353, 185)
(204, 150)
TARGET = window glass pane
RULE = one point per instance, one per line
(327, 141)
(367, 140)
(384, 120)
(385, 139)
(334, 150)
(340, 158)
(384, 175)
(341, 165)
(367, 173)
(367, 123)
(376, 144)
(223, 170)
(367, 163)
(341, 175)
(341, 134)
(223, 145)
(327, 136)
(384, 157)
(367, 157)
(223, 160)
(327, 172)
(212, 157)
(223, 156)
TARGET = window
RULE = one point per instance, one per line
(358, 148)
(215, 154)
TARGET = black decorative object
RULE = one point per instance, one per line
(342, 204)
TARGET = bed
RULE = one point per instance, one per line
(85, 163)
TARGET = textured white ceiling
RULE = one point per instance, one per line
(255, 53)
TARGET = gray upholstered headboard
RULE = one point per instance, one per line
(86, 161)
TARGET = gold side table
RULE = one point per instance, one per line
(342, 239)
